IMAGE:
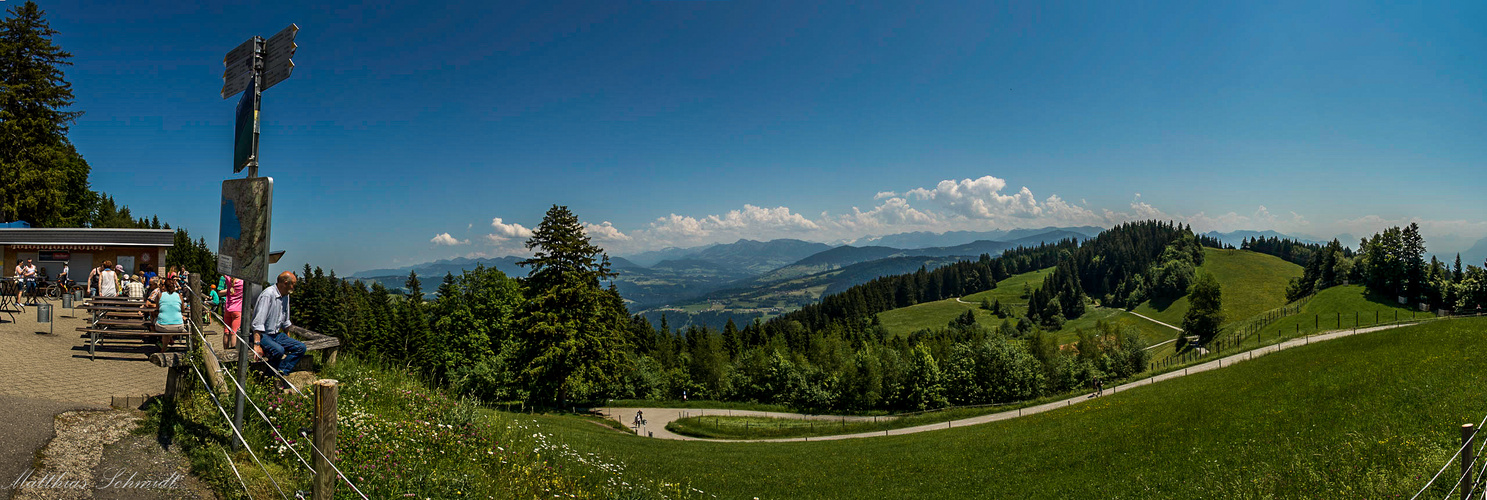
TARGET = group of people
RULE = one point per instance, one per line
(27, 275)
(111, 280)
(270, 325)
(269, 337)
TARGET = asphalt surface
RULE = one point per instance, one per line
(26, 424)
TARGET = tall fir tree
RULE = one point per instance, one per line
(43, 180)
(571, 344)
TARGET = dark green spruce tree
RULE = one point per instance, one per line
(43, 180)
(571, 339)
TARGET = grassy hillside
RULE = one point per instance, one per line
(1371, 416)
(1343, 307)
(1252, 283)
(906, 320)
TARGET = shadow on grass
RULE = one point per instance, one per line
(1160, 304)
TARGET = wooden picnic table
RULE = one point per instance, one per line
(121, 317)
(140, 307)
(115, 300)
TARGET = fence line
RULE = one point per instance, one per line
(244, 392)
(238, 433)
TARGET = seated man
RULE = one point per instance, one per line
(135, 288)
(271, 325)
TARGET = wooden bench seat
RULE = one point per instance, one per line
(114, 332)
(313, 342)
(139, 323)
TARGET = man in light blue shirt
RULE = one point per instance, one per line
(271, 325)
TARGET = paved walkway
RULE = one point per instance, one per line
(659, 417)
(55, 366)
(45, 370)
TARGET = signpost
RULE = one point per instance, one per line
(254, 66)
(247, 204)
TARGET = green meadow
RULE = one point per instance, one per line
(1369, 416)
(1252, 283)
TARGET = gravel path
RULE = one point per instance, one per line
(1139, 315)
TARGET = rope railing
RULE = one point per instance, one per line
(1447, 465)
(238, 432)
(235, 472)
(259, 410)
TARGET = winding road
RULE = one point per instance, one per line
(657, 418)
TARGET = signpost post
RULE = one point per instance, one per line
(243, 252)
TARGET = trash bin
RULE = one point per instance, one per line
(67, 301)
(44, 313)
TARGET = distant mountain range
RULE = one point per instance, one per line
(1475, 255)
(786, 268)
(922, 239)
(439, 268)
(1237, 237)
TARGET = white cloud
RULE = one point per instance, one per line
(978, 204)
(604, 232)
(508, 231)
(981, 199)
(447, 240)
(1442, 237)
(895, 212)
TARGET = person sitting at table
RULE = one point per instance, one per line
(168, 316)
(154, 291)
(108, 281)
(135, 289)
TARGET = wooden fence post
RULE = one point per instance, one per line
(1468, 433)
(325, 439)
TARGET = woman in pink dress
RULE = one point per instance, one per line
(232, 311)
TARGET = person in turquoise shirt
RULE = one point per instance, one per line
(213, 300)
(168, 318)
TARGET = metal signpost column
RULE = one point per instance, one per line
(243, 252)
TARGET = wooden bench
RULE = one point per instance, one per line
(122, 317)
(313, 342)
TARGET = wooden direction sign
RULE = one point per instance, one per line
(237, 83)
(277, 53)
(237, 68)
(276, 74)
(240, 57)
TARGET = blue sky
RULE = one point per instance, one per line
(408, 129)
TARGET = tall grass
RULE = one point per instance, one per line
(397, 438)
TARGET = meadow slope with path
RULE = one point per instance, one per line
(658, 418)
(1134, 313)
